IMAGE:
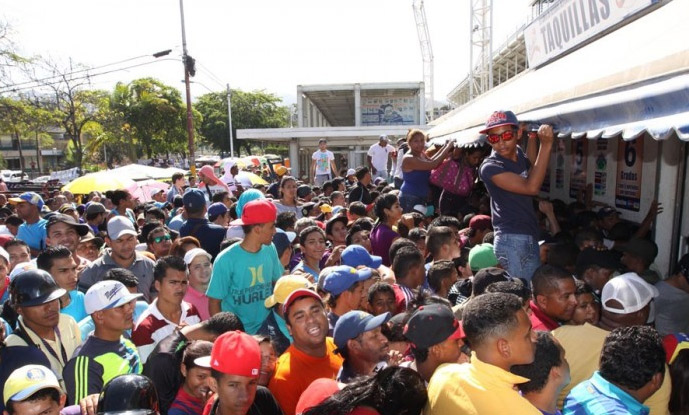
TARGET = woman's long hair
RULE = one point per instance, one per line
(392, 391)
(384, 202)
(679, 373)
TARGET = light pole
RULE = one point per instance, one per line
(188, 69)
(229, 117)
(54, 157)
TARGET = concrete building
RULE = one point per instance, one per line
(37, 159)
(350, 116)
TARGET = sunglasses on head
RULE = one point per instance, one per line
(159, 239)
(505, 136)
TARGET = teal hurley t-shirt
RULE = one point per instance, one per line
(243, 280)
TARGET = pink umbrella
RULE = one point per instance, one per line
(142, 190)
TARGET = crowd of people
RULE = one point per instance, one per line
(442, 285)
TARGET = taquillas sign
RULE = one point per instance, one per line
(569, 23)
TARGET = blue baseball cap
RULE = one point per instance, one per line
(217, 209)
(353, 323)
(343, 277)
(357, 255)
(194, 199)
(28, 197)
(500, 118)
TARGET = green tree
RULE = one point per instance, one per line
(152, 116)
(257, 109)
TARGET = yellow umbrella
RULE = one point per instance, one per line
(249, 179)
(101, 181)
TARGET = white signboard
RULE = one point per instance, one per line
(568, 23)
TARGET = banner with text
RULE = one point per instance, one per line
(577, 172)
(568, 23)
(390, 111)
(630, 163)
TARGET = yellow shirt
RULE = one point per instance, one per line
(70, 339)
(475, 388)
(583, 345)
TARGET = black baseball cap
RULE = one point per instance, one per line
(432, 324)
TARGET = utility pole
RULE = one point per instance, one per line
(188, 62)
(229, 117)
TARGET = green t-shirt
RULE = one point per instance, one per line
(243, 280)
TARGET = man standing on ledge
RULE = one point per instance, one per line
(322, 161)
(512, 179)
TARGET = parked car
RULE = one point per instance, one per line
(14, 176)
(41, 179)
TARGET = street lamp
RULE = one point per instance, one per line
(54, 158)
(189, 69)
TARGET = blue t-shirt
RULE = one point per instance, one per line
(243, 280)
(176, 223)
(599, 396)
(76, 307)
(512, 213)
(33, 234)
(301, 266)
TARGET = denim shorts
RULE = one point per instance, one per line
(408, 201)
(518, 254)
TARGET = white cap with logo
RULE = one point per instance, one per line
(108, 294)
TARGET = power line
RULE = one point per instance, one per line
(208, 72)
(87, 76)
(39, 81)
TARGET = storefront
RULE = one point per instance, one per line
(621, 107)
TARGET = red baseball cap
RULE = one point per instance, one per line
(256, 212)
(297, 294)
(234, 353)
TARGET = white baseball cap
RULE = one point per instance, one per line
(118, 226)
(21, 267)
(108, 294)
(630, 290)
(193, 253)
(351, 172)
(156, 191)
(4, 254)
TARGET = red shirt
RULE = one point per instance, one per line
(540, 321)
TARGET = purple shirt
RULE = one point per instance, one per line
(382, 237)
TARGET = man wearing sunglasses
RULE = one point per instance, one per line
(159, 242)
(513, 179)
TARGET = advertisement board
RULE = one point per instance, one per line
(389, 110)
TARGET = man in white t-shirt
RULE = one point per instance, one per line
(322, 163)
(378, 157)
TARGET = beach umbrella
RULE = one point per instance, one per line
(101, 181)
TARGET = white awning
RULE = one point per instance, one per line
(634, 80)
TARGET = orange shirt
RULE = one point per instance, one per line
(295, 370)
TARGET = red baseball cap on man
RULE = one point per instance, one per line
(256, 212)
(234, 353)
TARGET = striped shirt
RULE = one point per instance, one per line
(152, 326)
(598, 396)
(95, 363)
(185, 404)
